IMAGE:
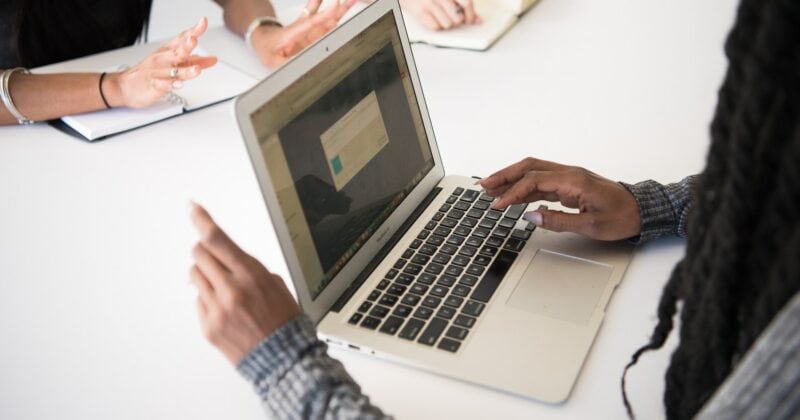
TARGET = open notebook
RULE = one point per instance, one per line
(215, 84)
(498, 17)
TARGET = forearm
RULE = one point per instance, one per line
(295, 377)
(663, 209)
(47, 96)
(239, 13)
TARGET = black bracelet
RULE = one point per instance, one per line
(100, 88)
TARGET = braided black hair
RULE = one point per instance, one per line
(742, 261)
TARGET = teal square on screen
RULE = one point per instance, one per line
(337, 165)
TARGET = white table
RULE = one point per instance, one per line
(97, 319)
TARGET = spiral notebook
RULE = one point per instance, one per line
(215, 84)
(498, 17)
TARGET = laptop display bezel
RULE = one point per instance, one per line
(277, 82)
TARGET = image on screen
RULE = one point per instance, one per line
(344, 145)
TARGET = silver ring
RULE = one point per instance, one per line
(173, 73)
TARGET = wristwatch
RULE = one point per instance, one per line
(255, 24)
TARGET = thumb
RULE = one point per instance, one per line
(557, 221)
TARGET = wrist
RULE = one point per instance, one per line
(112, 90)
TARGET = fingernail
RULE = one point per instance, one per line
(177, 84)
(534, 217)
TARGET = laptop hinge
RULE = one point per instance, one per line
(362, 277)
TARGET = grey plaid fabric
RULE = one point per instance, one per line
(296, 379)
(663, 208)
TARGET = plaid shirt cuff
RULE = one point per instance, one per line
(663, 209)
(278, 352)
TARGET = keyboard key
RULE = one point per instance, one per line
(404, 279)
(481, 232)
(431, 301)
(423, 313)
(433, 331)
(462, 205)
(530, 227)
(444, 208)
(514, 245)
(481, 205)
(468, 250)
(494, 275)
(382, 285)
(418, 289)
(449, 345)
(374, 295)
(475, 270)
(438, 291)
(427, 249)
(449, 249)
(411, 300)
(446, 281)
(435, 240)
(488, 250)
(420, 259)
(396, 290)
(475, 213)
(458, 191)
(494, 241)
(426, 278)
(441, 258)
(364, 307)
(388, 300)
(413, 269)
(452, 199)
(483, 260)
(475, 241)
(501, 232)
(423, 235)
(485, 197)
(391, 325)
(415, 243)
(379, 312)
(516, 210)
(446, 312)
(456, 214)
(355, 318)
(456, 332)
(462, 231)
(400, 263)
(461, 260)
(408, 253)
(412, 329)
(461, 290)
(470, 195)
(454, 270)
(438, 216)
(370, 322)
(520, 234)
(392, 273)
(442, 231)
(468, 280)
(469, 222)
(402, 310)
(508, 223)
(434, 268)
(487, 224)
(455, 240)
(473, 308)
(449, 222)
(431, 225)
(464, 321)
(453, 301)
(493, 214)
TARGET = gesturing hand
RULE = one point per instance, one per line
(442, 14)
(162, 71)
(240, 301)
(275, 45)
(607, 210)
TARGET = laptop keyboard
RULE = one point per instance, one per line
(440, 286)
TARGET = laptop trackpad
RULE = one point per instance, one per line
(560, 286)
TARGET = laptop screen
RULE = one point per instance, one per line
(343, 146)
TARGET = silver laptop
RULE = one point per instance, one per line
(391, 257)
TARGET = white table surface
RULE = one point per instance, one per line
(97, 319)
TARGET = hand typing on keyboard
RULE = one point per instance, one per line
(607, 210)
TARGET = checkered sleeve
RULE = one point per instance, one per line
(663, 208)
(296, 379)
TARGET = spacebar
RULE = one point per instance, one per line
(491, 280)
